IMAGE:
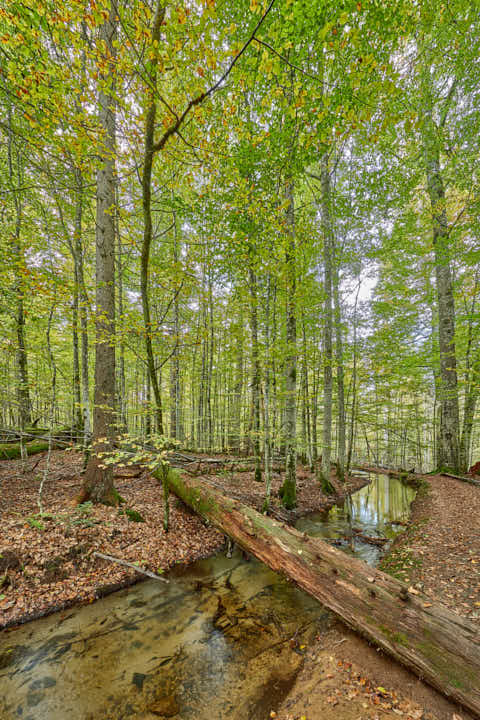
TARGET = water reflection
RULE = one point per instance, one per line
(377, 510)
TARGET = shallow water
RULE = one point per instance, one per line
(224, 639)
(374, 510)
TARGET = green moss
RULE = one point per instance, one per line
(397, 637)
(288, 494)
(9, 451)
(459, 677)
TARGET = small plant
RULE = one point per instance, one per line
(82, 516)
(134, 515)
(35, 522)
(84, 509)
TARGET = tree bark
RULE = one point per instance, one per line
(340, 369)
(83, 308)
(449, 422)
(234, 439)
(432, 641)
(472, 393)
(267, 444)
(289, 487)
(23, 391)
(176, 429)
(255, 374)
(327, 232)
(98, 484)
(149, 154)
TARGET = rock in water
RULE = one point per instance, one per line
(165, 707)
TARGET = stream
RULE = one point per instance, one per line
(224, 639)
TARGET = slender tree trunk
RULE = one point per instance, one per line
(450, 422)
(255, 374)
(351, 438)
(122, 400)
(77, 418)
(98, 484)
(147, 213)
(289, 488)
(210, 352)
(315, 383)
(23, 391)
(175, 417)
(340, 370)
(327, 232)
(473, 391)
(83, 308)
(234, 441)
(267, 445)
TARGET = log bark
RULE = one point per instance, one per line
(432, 641)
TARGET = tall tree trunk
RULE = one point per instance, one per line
(289, 487)
(211, 346)
(472, 383)
(267, 444)
(98, 484)
(351, 438)
(450, 422)
(340, 369)
(83, 308)
(175, 410)
(255, 373)
(327, 232)
(472, 394)
(122, 400)
(149, 153)
(77, 418)
(18, 259)
(234, 443)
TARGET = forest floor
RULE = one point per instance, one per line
(47, 561)
(439, 553)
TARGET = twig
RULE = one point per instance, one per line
(130, 565)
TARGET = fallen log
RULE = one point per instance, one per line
(432, 641)
(10, 451)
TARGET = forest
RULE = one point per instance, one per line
(240, 298)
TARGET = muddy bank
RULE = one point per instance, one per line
(345, 677)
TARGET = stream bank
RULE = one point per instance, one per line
(226, 638)
(47, 561)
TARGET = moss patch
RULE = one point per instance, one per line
(10, 451)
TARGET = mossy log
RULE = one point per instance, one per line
(10, 451)
(428, 638)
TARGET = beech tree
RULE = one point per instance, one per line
(262, 221)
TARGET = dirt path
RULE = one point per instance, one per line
(440, 552)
